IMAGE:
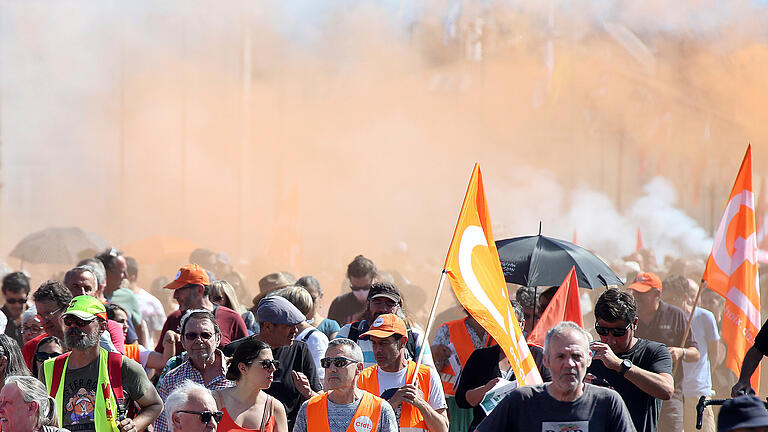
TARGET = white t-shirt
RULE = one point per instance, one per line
(152, 312)
(388, 380)
(697, 379)
(317, 342)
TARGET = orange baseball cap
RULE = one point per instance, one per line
(645, 282)
(189, 274)
(386, 325)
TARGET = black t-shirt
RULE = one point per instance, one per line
(667, 327)
(483, 366)
(644, 408)
(295, 357)
(345, 308)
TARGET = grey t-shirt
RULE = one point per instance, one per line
(532, 409)
(340, 416)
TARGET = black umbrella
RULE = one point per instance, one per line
(545, 261)
(57, 245)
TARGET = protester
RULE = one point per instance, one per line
(90, 370)
(223, 294)
(151, 308)
(744, 413)
(191, 408)
(566, 403)
(245, 406)
(147, 358)
(26, 407)
(16, 293)
(205, 364)
(11, 361)
(344, 404)
(384, 298)
(327, 326)
(638, 369)
(697, 379)
(483, 370)
(31, 327)
(191, 291)
(48, 348)
(316, 341)
(348, 307)
(664, 323)
(117, 291)
(98, 269)
(51, 299)
(419, 406)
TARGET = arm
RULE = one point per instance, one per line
(716, 351)
(436, 420)
(158, 360)
(688, 355)
(476, 395)
(751, 360)
(659, 385)
(281, 420)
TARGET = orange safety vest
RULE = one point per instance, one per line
(457, 332)
(366, 418)
(411, 419)
(132, 352)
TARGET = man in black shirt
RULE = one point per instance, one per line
(638, 369)
(15, 293)
(349, 306)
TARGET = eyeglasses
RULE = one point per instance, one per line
(617, 332)
(205, 416)
(267, 364)
(339, 362)
(71, 321)
(16, 301)
(192, 336)
(47, 316)
(31, 329)
(43, 356)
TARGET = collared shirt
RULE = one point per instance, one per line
(187, 371)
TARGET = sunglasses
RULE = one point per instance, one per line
(339, 362)
(205, 416)
(192, 336)
(617, 332)
(71, 321)
(267, 364)
(43, 356)
(16, 301)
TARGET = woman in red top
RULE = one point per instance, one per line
(246, 407)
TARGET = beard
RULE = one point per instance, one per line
(78, 339)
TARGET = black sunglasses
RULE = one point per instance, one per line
(617, 332)
(192, 336)
(339, 362)
(16, 301)
(71, 321)
(266, 363)
(359, 288)
(43, 356)
(205, 416)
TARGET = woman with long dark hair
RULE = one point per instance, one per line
(11, 360)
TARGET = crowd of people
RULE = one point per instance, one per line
(91, 351)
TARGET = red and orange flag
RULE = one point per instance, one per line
(564, 306)
(732, 270)
(474, 269)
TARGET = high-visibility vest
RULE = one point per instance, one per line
(411, 419)
(366, 418)
(459, 336)
(109, 388)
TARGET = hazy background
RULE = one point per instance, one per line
(294, 135)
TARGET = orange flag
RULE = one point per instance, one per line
(474, 269)
(732, 270)
(639, 245)
(564, 306)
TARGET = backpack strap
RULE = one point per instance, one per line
(306, 336)
(58, 371)
(114, 369)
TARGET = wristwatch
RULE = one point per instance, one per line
(625, 366)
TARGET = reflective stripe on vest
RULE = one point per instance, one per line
(462, 341)
(366, 418)
(105, 406)
(410, 417)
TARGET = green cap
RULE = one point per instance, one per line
(86, 308)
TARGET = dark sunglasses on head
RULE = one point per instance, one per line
(267, 364)
(16, 301)
(205, 416)
(71, 321)
(43, 356)
(192, 336)
(339, 362)
(617, 332)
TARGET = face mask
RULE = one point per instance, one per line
(361, 295)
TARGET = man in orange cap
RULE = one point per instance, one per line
(418, 406)
(661, 322)
(190, 290)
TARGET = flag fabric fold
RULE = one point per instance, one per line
(731, 270)
(564, 306)
(474, 270)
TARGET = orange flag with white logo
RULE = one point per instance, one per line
(474, 269)
(732, 270)
(564, 306)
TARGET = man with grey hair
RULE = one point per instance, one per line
(191, 408)
(26, 407)
(344, 403)
(567, 401)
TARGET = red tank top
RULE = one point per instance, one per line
(228, 423)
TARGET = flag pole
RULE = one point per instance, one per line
(690, 320)
(429, 324)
